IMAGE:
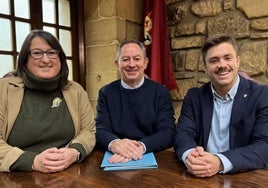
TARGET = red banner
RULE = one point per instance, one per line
(156, 41)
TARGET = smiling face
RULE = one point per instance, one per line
(44, 67)
(221, 65)
(132, 63)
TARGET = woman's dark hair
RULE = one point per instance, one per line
(21, 69)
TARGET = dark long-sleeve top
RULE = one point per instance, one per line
(145, 114)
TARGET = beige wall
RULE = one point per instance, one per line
(107, 22)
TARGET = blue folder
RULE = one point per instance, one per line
(148, 161)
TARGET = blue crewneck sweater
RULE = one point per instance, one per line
(144, 114)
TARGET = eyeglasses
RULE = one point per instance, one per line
(38, 54)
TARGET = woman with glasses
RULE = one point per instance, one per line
(46, 121)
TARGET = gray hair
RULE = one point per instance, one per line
(128, 41)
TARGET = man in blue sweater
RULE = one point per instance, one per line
(134, 114)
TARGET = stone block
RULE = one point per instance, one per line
(260, 24)
(104, 31)
(177, 12)
(232, 24)
(192, 60)
(101, 58)
(229, 4)
(133, 30)
(184, 85)
(186, 42)
(96, 80)
(171, 31)
(202, 79)
(107, 9)
(121, 8)
(258, 35)
(172, 1)
(250, 62)
(201, 27)
(253, 9)
(179, 60)
(131, 10)
(204, 8)
(184, 75)
(201, 65)
(185, 29)
(91, 10)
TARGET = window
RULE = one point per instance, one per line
(59, 17)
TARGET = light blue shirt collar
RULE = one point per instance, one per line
(230, 94)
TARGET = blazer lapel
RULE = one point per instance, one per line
(239, 105)
(207, 112)
(15, 96)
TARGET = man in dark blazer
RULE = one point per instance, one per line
(223, 126)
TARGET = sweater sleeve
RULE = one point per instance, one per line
(81, 149)
(164, 127)
(104, 133)
(24, 162)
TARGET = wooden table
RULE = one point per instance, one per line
(170, 173)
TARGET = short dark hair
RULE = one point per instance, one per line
(21, 69)
(216, 40)
(128, 41)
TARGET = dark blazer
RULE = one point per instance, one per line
(248, 125)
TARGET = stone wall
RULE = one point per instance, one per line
(107, 22)
(191, 21)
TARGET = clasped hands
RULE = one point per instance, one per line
(125, 150)
(54, 159)
(203, 164)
